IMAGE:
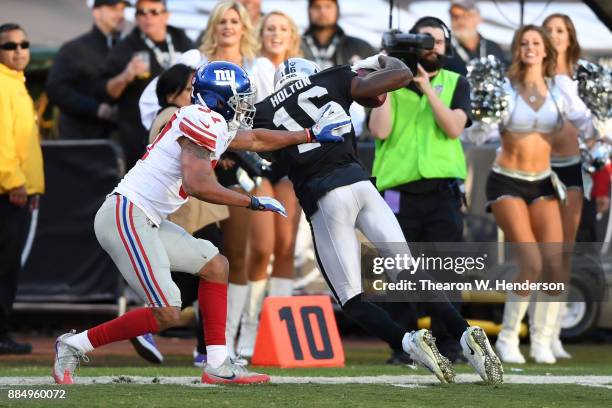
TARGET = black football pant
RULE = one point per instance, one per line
(14, 224)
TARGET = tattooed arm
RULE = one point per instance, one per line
(198, 180)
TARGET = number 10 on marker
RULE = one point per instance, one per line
(298, 331)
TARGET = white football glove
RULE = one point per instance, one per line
(267, 204)
(332, 123)
(368, 63)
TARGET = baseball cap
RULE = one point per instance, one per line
(465, 4)
(312, 1)
(99, 3)
(153, 1)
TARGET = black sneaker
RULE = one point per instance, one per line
(10, 346)
(399, 357)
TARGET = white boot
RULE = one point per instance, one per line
(281, 286)
(544, 317)
(557, 345)
(250, 318)
(507, 344)
(236, 297)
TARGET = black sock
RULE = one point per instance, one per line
(375, 320)
(450, 317)
(438, 306)
(201, 346)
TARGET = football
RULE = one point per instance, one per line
(373, 102)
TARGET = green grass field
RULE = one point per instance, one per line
(360, 362)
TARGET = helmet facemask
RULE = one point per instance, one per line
(243, 105)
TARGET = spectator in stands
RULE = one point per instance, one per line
(149, 104)
(229, 37)
(253, 7)
(279, 40)
(419, 163)
(594, 209)
(325, 42)
(466, 41)
(76, 67)
(128, 73)
(21, 171)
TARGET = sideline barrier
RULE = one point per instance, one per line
(66, 264)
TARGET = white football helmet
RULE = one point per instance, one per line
(293, 69)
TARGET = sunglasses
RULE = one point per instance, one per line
(151, 12)
(12, 46)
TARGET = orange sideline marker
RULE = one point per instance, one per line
(298, 331)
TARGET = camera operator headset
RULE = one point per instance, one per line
(448, 49)
(419, 163)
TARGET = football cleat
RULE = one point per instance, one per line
(558, 350)
(199, 359)
(67, 360)
(509, 353)
(231, 373)
(542, 354)
(480, 355)
(421, 346)
(146, 348)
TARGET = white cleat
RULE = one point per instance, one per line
(480, 355)
(232, 373)
(558, 350)
(509, 353)
(421, 346)
(67, 360)
(542, 354)
(246, 341)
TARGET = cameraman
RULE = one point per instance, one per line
(419, 163)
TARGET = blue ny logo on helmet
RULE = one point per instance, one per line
(226, 89)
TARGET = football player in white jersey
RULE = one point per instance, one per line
(131, 224)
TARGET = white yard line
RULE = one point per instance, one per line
(406, 381)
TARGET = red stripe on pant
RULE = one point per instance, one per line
(144, 254)
(127, 248)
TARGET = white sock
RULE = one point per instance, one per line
(216, 355)
(281, 286)
(236, 298)
(81, 342)
(256, 294)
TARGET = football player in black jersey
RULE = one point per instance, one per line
(337, 196)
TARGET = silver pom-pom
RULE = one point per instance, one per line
(595, 88)
(596, 157)
(486, 78)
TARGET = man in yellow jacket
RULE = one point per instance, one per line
(21, 171)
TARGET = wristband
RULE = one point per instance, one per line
(308, 135)
(252, 204)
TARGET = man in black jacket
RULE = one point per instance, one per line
(126, 74)
(71, 81)
(466, 40)
(325, 43)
